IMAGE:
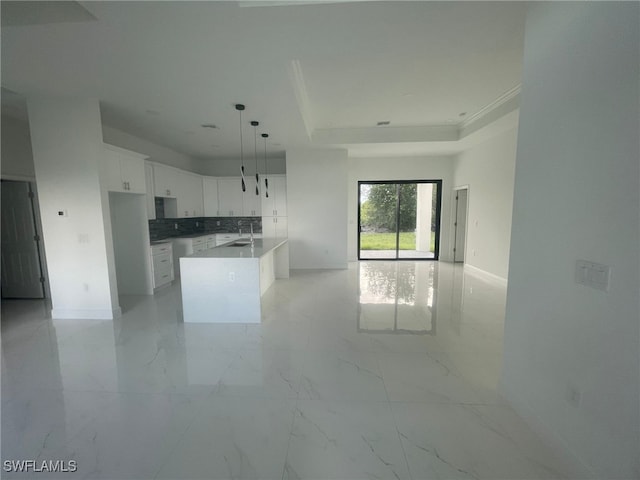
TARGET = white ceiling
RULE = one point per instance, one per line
(320, 75)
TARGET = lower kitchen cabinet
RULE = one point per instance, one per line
(183, 246)
(274, 227)
(162, 264)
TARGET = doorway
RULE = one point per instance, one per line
(461, 203)
(399, 220)
(22, 267)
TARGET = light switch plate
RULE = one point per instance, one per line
(594, 275)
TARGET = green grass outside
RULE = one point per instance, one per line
(387, 241)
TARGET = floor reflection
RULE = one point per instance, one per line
(397, 297)
(303, 395)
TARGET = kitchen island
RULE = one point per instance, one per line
(225, 284)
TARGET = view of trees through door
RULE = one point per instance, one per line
(399, 219)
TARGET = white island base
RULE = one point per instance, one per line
(225, 284)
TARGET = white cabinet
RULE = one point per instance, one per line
(251, 203)
(122, 170)
(211, 241)
(151, 201)
(189, 195)
(230, 197)
(162, 264)
(274, 227)
(274, 207)
(165, 180)
(210, 196)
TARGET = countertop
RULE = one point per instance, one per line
(196, 235)
(261, 246)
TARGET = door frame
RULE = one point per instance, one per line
(436, 253)
(454, 221)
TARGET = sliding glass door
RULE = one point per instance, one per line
(399, 219)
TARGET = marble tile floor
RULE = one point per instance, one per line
(386, 370)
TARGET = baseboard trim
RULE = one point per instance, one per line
(556, 442)
(85, 314)
(487, 275)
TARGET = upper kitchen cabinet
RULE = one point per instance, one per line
(165, 180)
(210, 196)
(151, 201)
(230, 197)
(122, 170)
(251, 204)
(189, 195)
(275, 205)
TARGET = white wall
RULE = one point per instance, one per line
(231, 167)
(409, 168)
(316, 199)
(488, 170)
(67, 144)
(156, 153)
(577, 184)
(17, 159)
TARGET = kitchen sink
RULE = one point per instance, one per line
(241, 243)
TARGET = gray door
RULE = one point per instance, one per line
(21, 272)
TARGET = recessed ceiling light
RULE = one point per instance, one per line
(385, 122)
(209, 125)
(462, 114)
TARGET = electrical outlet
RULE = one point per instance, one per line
(218, 223)
(175, 225)
(594, 275)
(573, 396)
(232, 276)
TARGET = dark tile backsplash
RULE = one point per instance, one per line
(162, 228)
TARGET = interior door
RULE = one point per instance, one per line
(21, 271)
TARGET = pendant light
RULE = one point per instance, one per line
(255, 154)
(240, 108)
(266, 180)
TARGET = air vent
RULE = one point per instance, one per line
(209, 125)
(380, 124)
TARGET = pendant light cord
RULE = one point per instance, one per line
(266, 180)
(255, 154)
(244, 188)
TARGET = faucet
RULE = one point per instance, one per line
(251, 226)
(240, 227)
